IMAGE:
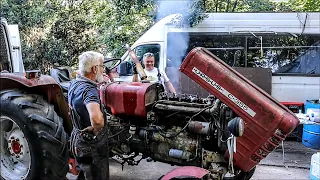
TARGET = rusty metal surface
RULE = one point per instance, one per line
(259, 76)
(129, 98)
(267, 122)
(183, 84)
(44, 85)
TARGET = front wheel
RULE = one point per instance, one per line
(33, 141)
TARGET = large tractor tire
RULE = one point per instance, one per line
(33, 140)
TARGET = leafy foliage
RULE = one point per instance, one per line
(306, 5)
(246, 6)
(57, 31)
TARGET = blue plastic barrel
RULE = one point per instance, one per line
(311, 135)
(312, 104)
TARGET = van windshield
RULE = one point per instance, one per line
(282, 53)
(145, 48)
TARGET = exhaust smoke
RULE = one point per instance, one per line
(177, 42)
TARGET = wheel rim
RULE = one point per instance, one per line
(15, 152)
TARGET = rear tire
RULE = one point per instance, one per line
(33, 140)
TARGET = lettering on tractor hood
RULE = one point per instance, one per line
(223, 91)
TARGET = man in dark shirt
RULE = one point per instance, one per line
(84, 102)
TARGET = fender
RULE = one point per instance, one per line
(44, 85)
(186, 172)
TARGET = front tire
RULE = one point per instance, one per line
(33, 140)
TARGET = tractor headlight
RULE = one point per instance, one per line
(236, 126)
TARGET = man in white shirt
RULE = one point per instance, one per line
(154, 74)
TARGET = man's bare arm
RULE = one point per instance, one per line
(96, 117)
(170, 87)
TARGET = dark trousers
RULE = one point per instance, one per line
(94, 168)
(92, 172)
(94, 164)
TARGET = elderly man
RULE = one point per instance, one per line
(88, 118)
(154, 74)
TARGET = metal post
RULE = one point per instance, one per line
(246, 51)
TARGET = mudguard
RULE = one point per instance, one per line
(44, 85)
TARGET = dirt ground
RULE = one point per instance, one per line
(154, 170)
(294, 165)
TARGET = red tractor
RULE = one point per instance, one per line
(222, 136)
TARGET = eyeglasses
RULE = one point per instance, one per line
(100, 66)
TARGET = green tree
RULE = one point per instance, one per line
(52, 31)
(246, 6)
(306, 5)
(57, 31)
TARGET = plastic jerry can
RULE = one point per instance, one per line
(315, 167)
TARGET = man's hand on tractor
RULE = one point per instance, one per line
(90, 129)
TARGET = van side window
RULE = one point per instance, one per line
(281, 52)
(286, 53)
(227, 47)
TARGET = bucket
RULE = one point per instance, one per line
(311, 135)
(315, 167)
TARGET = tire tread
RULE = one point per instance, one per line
(47, 126)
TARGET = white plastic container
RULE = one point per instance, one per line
(315, 167)
(314, 114)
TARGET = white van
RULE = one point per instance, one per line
(280, 51)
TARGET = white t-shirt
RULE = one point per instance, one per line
(152, 76)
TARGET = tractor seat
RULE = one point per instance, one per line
(63, 77)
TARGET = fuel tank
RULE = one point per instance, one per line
(129, 98)
(267, 122)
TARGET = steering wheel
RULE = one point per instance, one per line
(111, 63)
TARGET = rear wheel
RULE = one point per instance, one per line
(33, 141)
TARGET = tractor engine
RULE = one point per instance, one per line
(178, 129)
(232, 129)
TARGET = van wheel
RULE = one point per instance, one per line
(33, 140)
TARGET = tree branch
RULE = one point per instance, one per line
(217, 1)
(228, 6)
(234, 6)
